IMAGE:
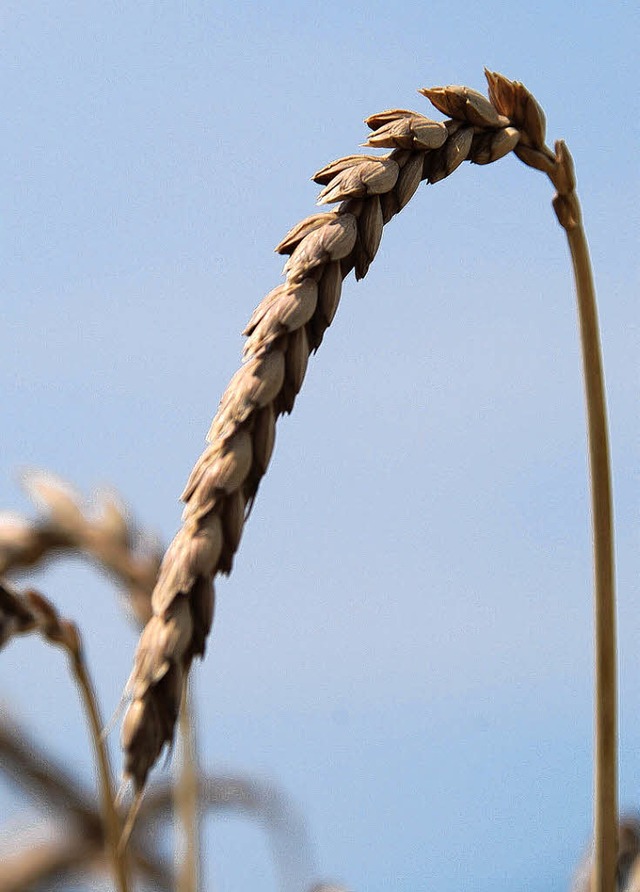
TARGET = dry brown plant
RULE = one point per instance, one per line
(287, 326)
(261, 802)
(101, 530)
(628, 862)
(284, 329)
(21, 613)
(74, 845)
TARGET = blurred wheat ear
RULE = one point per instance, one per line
(282, 332)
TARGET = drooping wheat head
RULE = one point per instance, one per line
(286, 327)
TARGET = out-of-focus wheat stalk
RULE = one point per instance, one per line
(290, 323)
(23, 760)
(31, 612)
(28, 863)
(628, 861)
(81, 850)
(256, 800)
(45, 862)
(103, 531)
(69, 806)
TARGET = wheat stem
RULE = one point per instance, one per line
(186, 801)
(254, 801)
(107, 792)
(32, 612)
(35, 771)
(513, 100)
(45, 865)
(288, 325)
(606, 743)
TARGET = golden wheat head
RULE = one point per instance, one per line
(286, 327)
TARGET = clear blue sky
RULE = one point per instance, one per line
(405, 642)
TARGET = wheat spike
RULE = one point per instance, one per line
(102, 530)
(284, 329)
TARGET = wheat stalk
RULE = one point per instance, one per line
(511, 99)
(628, 861)
(27, 866)
(259, 802)
(186, 801)
(287, 326)
(64, 800)
(45, 864)
(103, 531)
(67, 805)
(31, 612)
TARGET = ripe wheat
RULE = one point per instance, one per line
(102, 531)
(284, 329)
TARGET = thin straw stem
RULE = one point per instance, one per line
(107, 793)
(31, 612)
(186, 796)
(606, 732)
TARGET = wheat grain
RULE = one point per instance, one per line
(284, 329)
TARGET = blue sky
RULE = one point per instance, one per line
(405, 642)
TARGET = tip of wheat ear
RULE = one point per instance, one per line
(284, 329)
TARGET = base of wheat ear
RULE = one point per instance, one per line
(283, 331)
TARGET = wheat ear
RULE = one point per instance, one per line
(289, 324)
(101, 530)
(284, 329)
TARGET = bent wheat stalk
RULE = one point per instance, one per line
(31, 612)
(511, 99)
(253, 800)
(287, 326)
(70, 808)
